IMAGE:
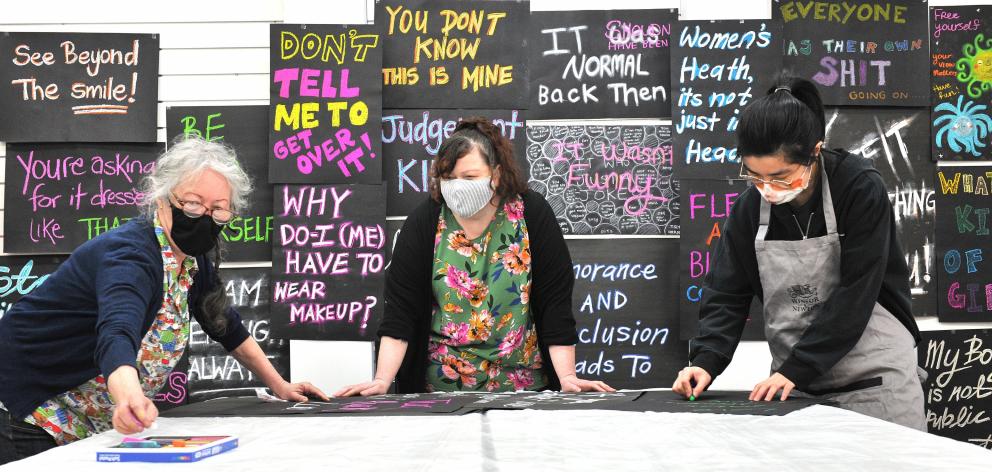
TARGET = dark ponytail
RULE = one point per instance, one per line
(789, 119)
(478, 133)
(214, 304)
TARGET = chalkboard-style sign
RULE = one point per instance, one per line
(858, 52)
(705, 207)
(721, 67)
(90, 87)
(960, 52)
(957, 397)
(895, 139)
(175, 391)
(325, 104)
(606, 179)
(600, 64)
(59, 195)
(20, 275)
(626, 321)
(454, 54)
(393, 228)
(213, 372)
(964, 284)
(328, 261)
(410, 142)
(244, 128)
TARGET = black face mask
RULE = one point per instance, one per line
(194, 236)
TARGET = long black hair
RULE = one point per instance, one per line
(215, 303)
(788, 119)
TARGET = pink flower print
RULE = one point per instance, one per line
(511, 342)
(457, 333)
(459, 280)
(437, 350)
(514, 210)
(521, 378)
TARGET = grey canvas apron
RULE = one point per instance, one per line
(879, 377)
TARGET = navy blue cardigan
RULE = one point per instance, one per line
(90, 316)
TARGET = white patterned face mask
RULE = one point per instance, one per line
(778, 197)
(466, 197)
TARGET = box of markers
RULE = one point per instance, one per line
(167, 449)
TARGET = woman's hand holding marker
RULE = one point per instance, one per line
(688, 377)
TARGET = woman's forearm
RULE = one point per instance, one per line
(563, 360)
(250, 355)
(391, 353)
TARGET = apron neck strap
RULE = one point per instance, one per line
(828, 208)
(828, 201)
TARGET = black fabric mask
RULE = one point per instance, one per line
(194, 236)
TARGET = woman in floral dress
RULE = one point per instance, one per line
(479, 290)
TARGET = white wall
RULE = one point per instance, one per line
(216, 52)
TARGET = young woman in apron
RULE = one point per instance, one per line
(814, 238)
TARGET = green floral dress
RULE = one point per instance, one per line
(88, 409)
(483, 335)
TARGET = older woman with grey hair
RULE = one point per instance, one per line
(86, 350)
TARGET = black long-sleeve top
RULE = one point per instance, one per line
(409, 294)
(872, 269)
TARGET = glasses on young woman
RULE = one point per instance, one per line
(783, 184)
(195, 209)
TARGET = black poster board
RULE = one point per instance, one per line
(59, 195)
(248, 236)
(958, 365)
(720, 66)
(960, 50)
(84, 87)
(328, 261)
(552, 400)
(858, 53)
(626, 323)
(325, 104)
(895, 139)
(718, 402)
(454, 54)
(213, 372)
(705, 207)
(964, 286)
(411, 139)
(412, 404)
(606, 179)
(20, 275)
(600, 64)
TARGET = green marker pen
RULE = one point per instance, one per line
(692, 398)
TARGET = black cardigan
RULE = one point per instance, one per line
(409, 294)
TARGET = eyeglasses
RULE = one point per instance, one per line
(784, 184)
(192, 209)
